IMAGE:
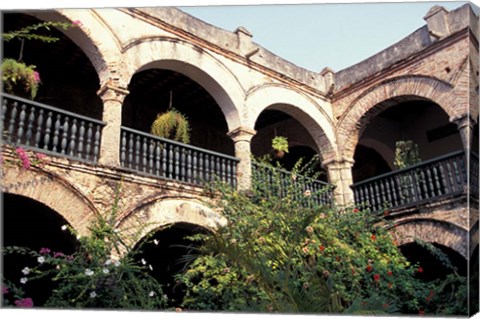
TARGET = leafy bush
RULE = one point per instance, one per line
(289, 255)
(101, 273)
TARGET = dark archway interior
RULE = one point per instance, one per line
(28, 223)
(432, 267)
(406, 118)
(168, 256)
(368, 163)
(473, 282)
(150, 92)
(273, 123)
(69, 80)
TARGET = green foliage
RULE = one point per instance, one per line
(289, 255)
(406, 154)
(19, 77)
(93, 276)
(27, 33)
(172, 125)
(280, 143)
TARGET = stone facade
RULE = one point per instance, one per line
(437, 63)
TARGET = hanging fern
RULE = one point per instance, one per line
(172, 125)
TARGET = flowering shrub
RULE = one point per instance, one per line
(91, 277)
(27, 159)
(19, 77)
(289, 255)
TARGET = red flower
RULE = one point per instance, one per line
(321, 247)
(390, 273)
(369, 268)
(374, 237)
(24, 303)
(355, 210)
(376, 277)
(420, 269)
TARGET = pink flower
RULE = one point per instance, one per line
(77, 23)
(4, 290)
(24, 303)
(36, 77)
(23, 157)
(58, 254)
(44, 250)
(376, 277)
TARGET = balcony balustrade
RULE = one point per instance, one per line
(165, 158)
(50, 130)
(419, 184)
(304, 188)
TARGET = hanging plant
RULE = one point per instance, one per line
(20, 79)
(172, 125)
(280, 146)
(406, 154)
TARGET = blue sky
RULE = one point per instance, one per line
(314, 36)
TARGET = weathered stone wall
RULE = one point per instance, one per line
(79, 192)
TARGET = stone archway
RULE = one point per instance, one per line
(52, 191)
(192, 62)
(393, 91)
(101, 47)
(159, 212)
(433, 231)
(303, 109)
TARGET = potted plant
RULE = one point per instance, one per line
(172, 125)
(280, 146)
(19, 78)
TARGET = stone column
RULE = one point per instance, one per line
(242, 137)
(465, 126)
(112, 98)
(340, 175)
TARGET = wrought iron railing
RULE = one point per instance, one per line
(165, 158)
(304, 188)
(415, 185)
(48, 129)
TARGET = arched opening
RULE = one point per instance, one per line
(432, 267)
(68, 79)
(29, 223)
(165, 251)
(153, 90)
(368, 163)
(406, 118)
(273, 123)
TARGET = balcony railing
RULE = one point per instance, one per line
(280, 181)
(49, 129)
(428, 181)
(165, 158)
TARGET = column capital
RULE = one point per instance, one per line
(242, 134)
(111, 92)
(463, 120)
(338, 163)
